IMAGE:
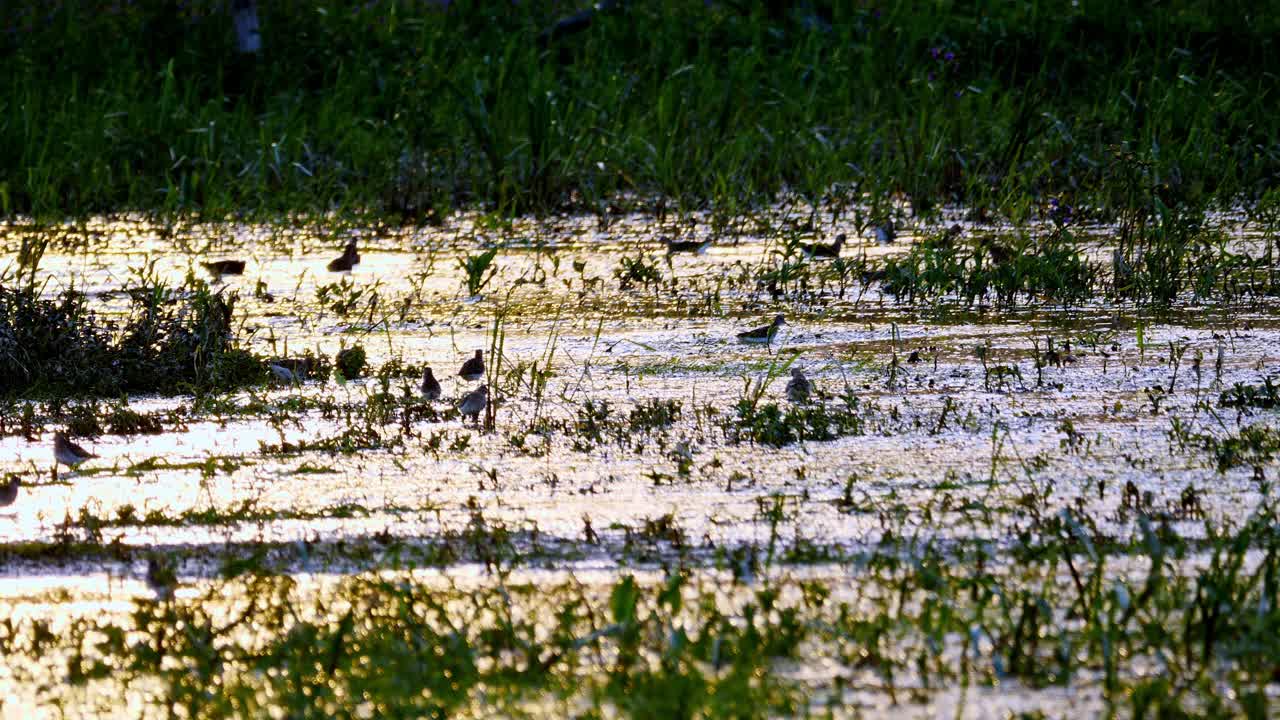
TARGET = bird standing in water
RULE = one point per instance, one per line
(68, 453)
(474, 403)
(885, 232)
(763, 335)
(161, 578)
(283, 374)
(430, 386)
(347, 260)
(473, 369)
(218, 268)
(823, 251)
(9, 491)
(696, 247)
(799, 387)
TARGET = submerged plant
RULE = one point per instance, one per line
(654, 414)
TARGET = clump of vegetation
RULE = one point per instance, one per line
(689, 643)
(594, 424)
(350, 362)
(638, 270)
(1265, 396)
(1253, 445)
(654, 414)
(171, 340)
(478, 270)
(117, 418)
(1003, 270)
(768, 424)
(348, 441)
(459, 648)
(347, 296)
(1167, 248)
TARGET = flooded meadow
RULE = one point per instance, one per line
(1014, 485)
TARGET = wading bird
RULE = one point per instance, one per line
(824, 251)
(763, 335)
(218, 268)
(9, 490)
(474, 403)
(685, 246)
(68, 453)
(885, 232)
(799, 387)
(161, 578)
(473, 369)
(347, 260)
(430, 386)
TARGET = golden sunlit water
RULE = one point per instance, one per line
(943, 450)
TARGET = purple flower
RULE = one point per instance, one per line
(950, 56)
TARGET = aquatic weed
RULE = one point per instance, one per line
(172, 340)
(479, 269)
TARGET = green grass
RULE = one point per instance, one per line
(398, 108)
(171, 340)
(909, 619)
(1047, 268)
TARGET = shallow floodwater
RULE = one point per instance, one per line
(949, 427)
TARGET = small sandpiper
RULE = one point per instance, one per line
(947, 239)
(218, 268)
(349, 259)
(474, 403)
(799, 387)
(473, 369)
(290, 370)
(696, 247)
(9, 490)
(161, 578)
(67, 452)
(763, 335)
(282, 373)
(823, 251)
(430, 386)
(1001, 252)
(885, 232)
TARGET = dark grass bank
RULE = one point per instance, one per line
(409, 109)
